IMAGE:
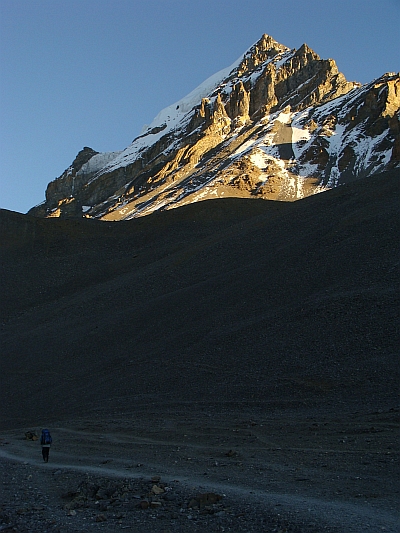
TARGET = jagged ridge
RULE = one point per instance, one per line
(278, 124)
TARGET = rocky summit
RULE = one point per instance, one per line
(278, 124)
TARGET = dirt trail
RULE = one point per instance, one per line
(260, 480)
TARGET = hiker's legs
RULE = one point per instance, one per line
(45, 453)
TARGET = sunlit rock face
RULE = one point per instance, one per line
(279, 124)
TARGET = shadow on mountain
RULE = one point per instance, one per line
(219, 301)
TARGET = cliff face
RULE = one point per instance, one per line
(279, 124)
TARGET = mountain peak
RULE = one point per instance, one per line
(278, 124)
(264, 49)
(268, 44)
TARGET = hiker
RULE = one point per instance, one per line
(45, 441)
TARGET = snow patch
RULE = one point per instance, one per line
(284, 117)
(262, 159)
(172, 114)
(97, 162)
(286, 56)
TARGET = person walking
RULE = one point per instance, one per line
(45, 441)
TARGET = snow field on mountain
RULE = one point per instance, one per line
(97, 162)
(171, 117)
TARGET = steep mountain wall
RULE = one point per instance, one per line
(280, 124)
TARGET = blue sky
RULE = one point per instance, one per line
(78, 73)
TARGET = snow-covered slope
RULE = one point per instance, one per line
(278, 124)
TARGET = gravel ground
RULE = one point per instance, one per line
(323, 474)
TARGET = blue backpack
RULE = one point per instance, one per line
(46, 437)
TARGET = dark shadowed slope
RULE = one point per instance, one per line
(230, 300)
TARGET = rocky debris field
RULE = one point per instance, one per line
(62, 501)
(180, 471)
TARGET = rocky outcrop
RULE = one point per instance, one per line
(283, 124)
(64, 196)
(262, 51)
(64, 187)
(67, 184)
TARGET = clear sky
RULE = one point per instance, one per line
(77, 73)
